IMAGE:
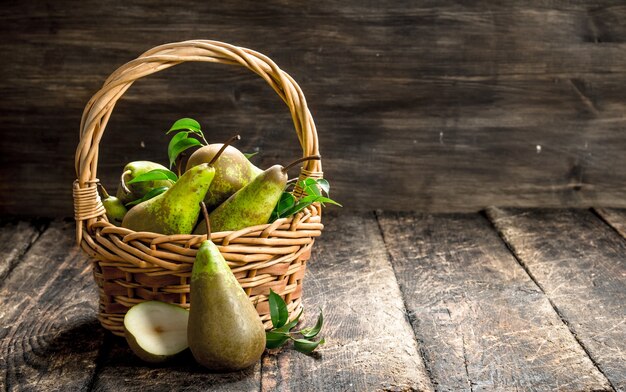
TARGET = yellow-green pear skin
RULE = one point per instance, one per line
(232, 171)
(225, 332)
(176, 210)
(115, 210)
(251, 205)
(138, 190)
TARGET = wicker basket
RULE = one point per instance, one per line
(131, 267)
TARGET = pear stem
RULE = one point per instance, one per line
(123, 181)
(206, 220)
(104, 191)
(309, 158)
(226, 144)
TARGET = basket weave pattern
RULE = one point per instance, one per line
(131, 267)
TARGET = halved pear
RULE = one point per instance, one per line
(156, 331)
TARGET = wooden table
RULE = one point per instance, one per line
(500, 300)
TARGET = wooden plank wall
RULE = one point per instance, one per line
(420, 105)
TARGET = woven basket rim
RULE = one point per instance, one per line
(88, 207)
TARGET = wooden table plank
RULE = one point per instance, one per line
(616, 218)
(121, 370)
(15, 239)
(49, 335)
(482, 321)
(580, 263)
(369, 343)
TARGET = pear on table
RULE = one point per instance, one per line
(225, 332)
(156, 331)
(253, 204)
(130, 192)
(232, 172)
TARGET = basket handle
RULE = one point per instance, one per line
(87, 205)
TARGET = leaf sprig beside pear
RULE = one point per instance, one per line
(281, 331)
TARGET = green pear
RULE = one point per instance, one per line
(156, 331)
(176, 210)
(253, 204)
(232, 171)
(131, 192)
(115, 209)
(225, 332)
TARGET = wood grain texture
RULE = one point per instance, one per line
(482, 322)
(578, 261)
(442, 102)
(16, 237)
(121, 370)
(369, 342)
(616, 218)
(49, 335)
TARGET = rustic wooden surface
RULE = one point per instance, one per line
(15, 239)
(511, 299)
(584, 283)
(427, 99)
(120, 370)
(370, 343)
(49, 336)
(483, 323)
(615, 218)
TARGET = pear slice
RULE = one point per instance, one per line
(156, 331)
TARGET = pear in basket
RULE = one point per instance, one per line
(130, 192)
(232, 172)
(253, 204)
(176, 210)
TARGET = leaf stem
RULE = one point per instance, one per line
(203, 139)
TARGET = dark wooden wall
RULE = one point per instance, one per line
(420, 105)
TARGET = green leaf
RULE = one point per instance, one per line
(309, 186)
(287, 201)
(181, 146)
(306, 346)
(324, 184)
(287, 327)
(155, 175)
(313, 190)
(310, 333)
(154, 192)
(295, 209)
(309, 199)
(249, 155)
(275, 339)
(175, 139)
(278, 310)
(185, 123)
(322, 199)
(308, 182)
